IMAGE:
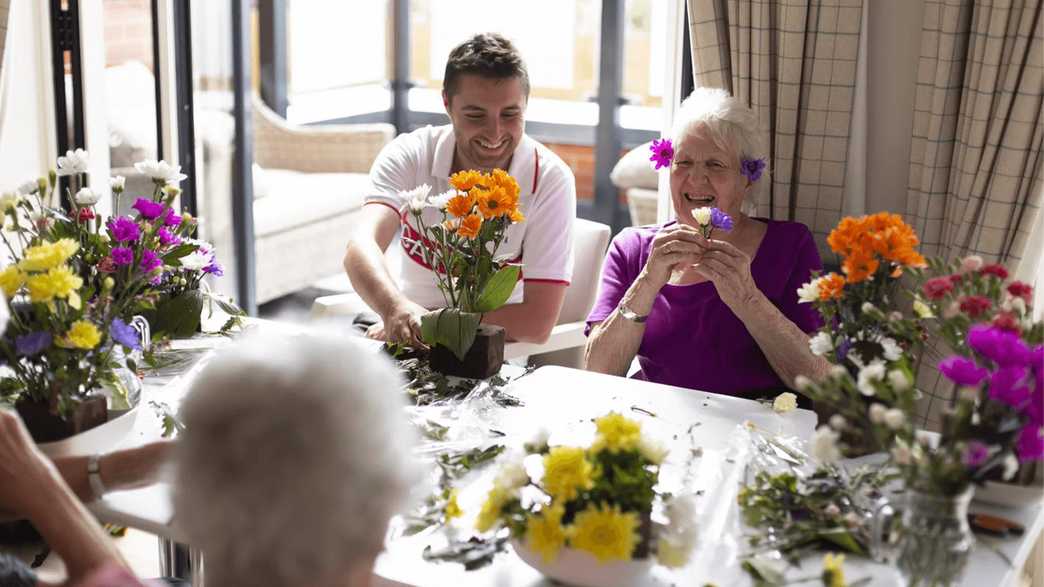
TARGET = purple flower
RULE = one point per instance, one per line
(33, 343)
(662, 152)
(148, 209)
(1001, 346)
(1031, 445)
(752, 168)
(975, 454)
(721, 220)
(1037, 360)
(1005, 388)
(214, 269)
(962, 371)
(149, 261)
(173, 218)
(122, 256)
(124, 229)
(167, 238)
(125, 334)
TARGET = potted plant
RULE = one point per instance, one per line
(586, 518)
(460, 249)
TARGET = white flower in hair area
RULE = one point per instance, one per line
(87, 197)
(160, 171)
(824, 445)
(73, 162)
(417, 198)
(820, 344)
(809, 292)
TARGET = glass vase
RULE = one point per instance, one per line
(936, 539)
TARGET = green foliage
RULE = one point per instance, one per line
(498, 289)
(450, 328)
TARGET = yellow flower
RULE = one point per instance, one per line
(605, 532)
(48, 255)
(833, 574)
(41, 288)
(11, 278)
(452, 507)
(616, 433)
(784, 402)
(566, 471)
(516, 216)
(489, 515)
(64, 282)
(544, 533)
(82, 335)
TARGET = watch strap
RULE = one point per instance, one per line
(629, 314)
(94, 476)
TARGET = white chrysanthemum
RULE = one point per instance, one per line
(892, 350)
(417, 198)
(195, 261)
(824, 445)
(439, 202)
(869, 375)
(820, 344)
(809, 292)
(898, 380)
(702, 216)
(652, 449)
(838, 371)
(837, 422)
(877, 413)
(29, 187)
(72, 163)
(894, 418)
(9, 200)
(786, 401)
(117, 183)
(87, 197)
(160, 171)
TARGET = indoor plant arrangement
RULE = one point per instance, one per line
(474, 217)
(587, 517)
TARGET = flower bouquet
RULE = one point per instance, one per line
(589, 516)
(473, 218)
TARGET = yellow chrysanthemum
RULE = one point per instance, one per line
(605, 532)
(64, 282)
(82, 335)
(41, 288)
(489, 515)
(48, 255)
(452, 507)
(616, 433)
(566, 471)
(465, 180)
(833, 574)
(11, 278)
(545, 534)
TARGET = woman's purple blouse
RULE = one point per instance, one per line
(692, 339)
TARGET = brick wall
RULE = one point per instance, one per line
(128, 31)
(581, 159)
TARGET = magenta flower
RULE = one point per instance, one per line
(975, 454)
(149, 261)
(167, 238)
(1005, 387)
(124, 229)
(752, 168)
(662, 152)
(1002, 347)
(122, 256)
(721, 220)
(1035, 409)
(962, 370)
(173, 218)
(1031, 444)
(148, 209)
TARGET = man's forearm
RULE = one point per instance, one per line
(521, 323)
(364, 264)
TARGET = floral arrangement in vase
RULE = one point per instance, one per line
(473, 219)
(600, 500)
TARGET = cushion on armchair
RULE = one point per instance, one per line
(293, 199)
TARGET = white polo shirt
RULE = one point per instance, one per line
(547, 196)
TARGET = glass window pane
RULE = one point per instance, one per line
(645, 51)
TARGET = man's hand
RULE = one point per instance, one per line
(402, 324)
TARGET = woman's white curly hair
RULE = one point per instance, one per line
(733, 126)
(295, 455)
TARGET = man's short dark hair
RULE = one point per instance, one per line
(488, 55)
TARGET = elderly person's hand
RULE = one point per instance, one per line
(674, 247)
(728, 268)
(23, 468)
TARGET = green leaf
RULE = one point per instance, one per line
(179, 316)
(450, 328)
(763, 572)
(843, 539)
(498, 289)
(177, 253)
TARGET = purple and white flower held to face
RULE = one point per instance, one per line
(705, 175)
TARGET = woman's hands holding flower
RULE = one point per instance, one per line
(728, 268)
(673, 248)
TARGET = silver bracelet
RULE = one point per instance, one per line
(94, 476)
(629, 314)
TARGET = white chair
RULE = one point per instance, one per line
(590, 240)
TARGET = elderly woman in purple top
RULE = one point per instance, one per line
(718, 314)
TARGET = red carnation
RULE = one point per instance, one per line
(974, 306)
(936, 289)
(85, 214)
(106, 265)
(955, 279)
(995, 270)
(1020, 289)
(1007, 321)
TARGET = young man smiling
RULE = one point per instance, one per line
(485, 92)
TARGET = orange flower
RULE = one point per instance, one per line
(494, 202)
(460, 205)
(516, 216)
(470, 226)
(501, 179)
(831, 286)
(465, 180)
(859, 266)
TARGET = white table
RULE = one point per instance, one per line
(563, 399)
